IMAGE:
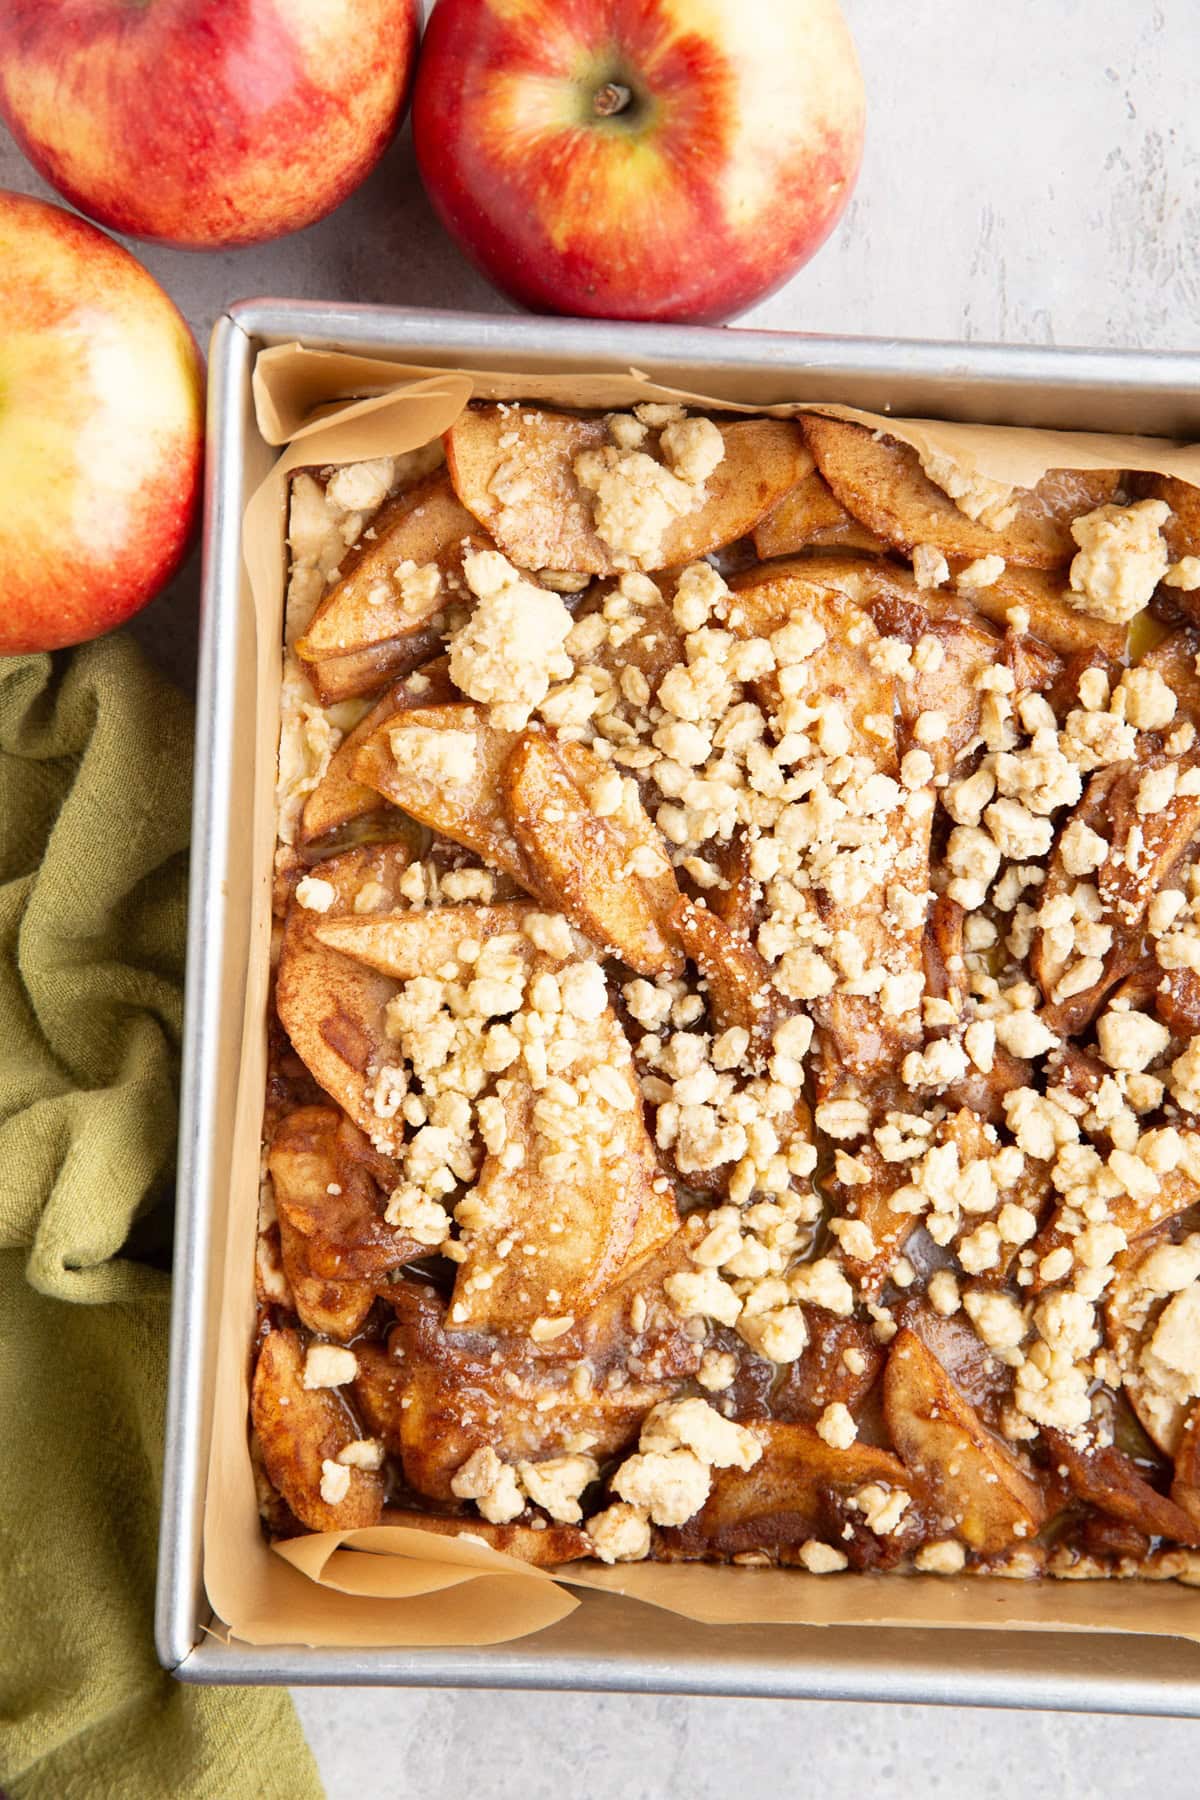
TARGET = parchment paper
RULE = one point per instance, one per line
(392, 1584)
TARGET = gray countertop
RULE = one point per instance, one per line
(1032, 175)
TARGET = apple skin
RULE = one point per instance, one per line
(101, 414)
(729, 167)
(203, 124)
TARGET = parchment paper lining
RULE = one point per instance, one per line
(392, 1585)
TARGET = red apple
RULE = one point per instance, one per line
(639, 159)
(100, 430)
(205, 124)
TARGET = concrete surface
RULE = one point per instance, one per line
(1031, 176)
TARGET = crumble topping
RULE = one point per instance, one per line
(620, 1533)
(822, 1559)
(1122, 558)
(635, 498)
(329, 1365)
(447, 757)
(335, 1482)
(987, 502)
(314, 894)
(511, 647)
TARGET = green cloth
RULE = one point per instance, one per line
(95, 755)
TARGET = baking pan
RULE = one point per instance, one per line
(607, 1643)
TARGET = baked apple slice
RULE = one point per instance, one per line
(1107, 1479)
(338, 800)
(333, 1009)
(839, 1365)
(610, 875)
(331, 1188)
(841, 669)
(334, 1309)
(1134, 1304)
(1041, 593)
(378, 595)
(1126, 884)
(301, 1429)
(800, 1488)
(741, 993)
(982, 1492)
(1174, 657)
(1182, 529)
(501, 450)
(945, 682)
(1185, 1489)
(406, 944)
(359, 674)
(444, 765)
(545, 1546)
(552, 1220)
(810, 518)
(880, 481)
(1134, 1214)
(438, 1393)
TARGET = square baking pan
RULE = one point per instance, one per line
(608, 1642)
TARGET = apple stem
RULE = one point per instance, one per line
(611, 99)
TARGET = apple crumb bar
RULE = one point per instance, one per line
(735, 1047)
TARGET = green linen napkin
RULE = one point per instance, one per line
(95, 766)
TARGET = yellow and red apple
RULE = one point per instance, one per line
(100, 430)
(639, 159)
(203, 124)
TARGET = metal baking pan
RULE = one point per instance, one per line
(607, 1643)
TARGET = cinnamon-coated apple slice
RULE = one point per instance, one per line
(333, 1009)
(822, 1376)
(356, 645)
(1177, 1192)
(948, 683)
(1107, 1479)
(1126, 884)
(444, 765)
(1041, 593)
(544, 1546)
(739, 901)
(376, 594)
(1182, 529)
(572, 1182)
(610, 875)
(440, 1392)
(361, 673)
(1131, 1313)
(299, 1429)
(881, 482)
(977, 1483)
(841, 669)
(416, 943)
(331, 1187)
(1176, 657)
(798, 1489)
(809, 517)
(333, 1308)
(1053, 624)
(741, 994)
(1185, 1489)
(338, 800)
(503, 450)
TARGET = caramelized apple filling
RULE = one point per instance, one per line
(735, 1064)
